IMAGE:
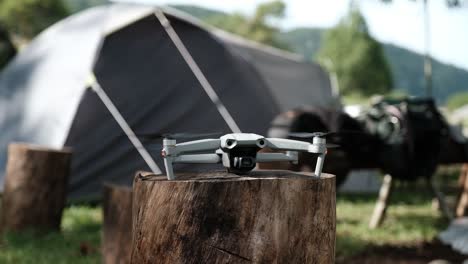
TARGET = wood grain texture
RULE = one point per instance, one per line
(117, 225)
(35, 188)
(265, 217)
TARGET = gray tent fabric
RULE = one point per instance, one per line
(44, 98)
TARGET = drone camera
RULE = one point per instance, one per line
(244, 162)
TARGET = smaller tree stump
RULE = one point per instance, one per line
(35, 188)
(117, 226)
(218, 217)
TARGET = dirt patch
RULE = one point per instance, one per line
(419, 253)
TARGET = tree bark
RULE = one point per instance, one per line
(117, 226)
(35, 188)
(265, 217)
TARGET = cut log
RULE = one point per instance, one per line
(265, 217)
(117, 226)
(35, 188)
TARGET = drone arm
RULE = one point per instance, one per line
(286, 144)
(294, 145)
(318, 146)
(197, 145)
(272, 157)
(199, 158)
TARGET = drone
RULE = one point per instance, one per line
(239, 152)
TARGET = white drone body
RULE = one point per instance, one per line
(238, 152)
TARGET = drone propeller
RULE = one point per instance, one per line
(179, 136)
(310, 135)
(324, 134)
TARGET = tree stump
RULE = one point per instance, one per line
(265, 217)
(35, 188)
(117, 226)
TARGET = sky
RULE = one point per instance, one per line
(399, 23)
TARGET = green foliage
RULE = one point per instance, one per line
(356, 58)
(26, 18)
(304, 41)
(78, 5)
(457, 100)
(405, 65)
(257, 27)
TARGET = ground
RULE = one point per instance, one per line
(407, 235)
(77, 243)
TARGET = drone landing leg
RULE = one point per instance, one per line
(169, 168)
(319, 165)
(380, 208)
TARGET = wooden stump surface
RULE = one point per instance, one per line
(265, 217)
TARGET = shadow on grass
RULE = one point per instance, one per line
(347, 244)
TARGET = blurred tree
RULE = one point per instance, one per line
(358, 60)
(450, 3)
(26, 18)
(457, 100)
(427, 40)
(7, 49)
(257, 27)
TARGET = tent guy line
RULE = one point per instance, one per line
(93, 83)
(196, 71)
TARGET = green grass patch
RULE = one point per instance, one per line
(79, 241)
(410, 219)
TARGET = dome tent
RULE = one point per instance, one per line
(44, 96)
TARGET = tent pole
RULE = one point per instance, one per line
(196, 71)
(124, 125)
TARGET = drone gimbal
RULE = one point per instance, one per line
(238, 152)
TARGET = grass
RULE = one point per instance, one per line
(77, 243)
(409, 219)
